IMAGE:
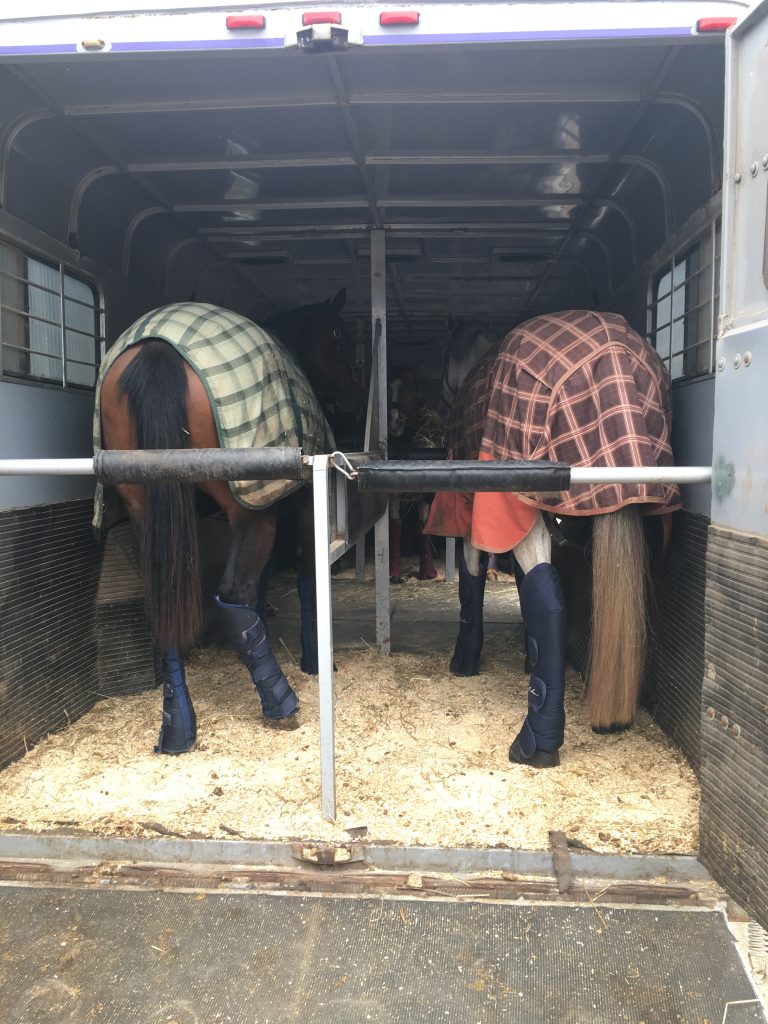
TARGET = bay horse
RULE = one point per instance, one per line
(409, 426)
(581, 388)
(192, 375)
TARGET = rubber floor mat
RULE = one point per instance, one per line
(129, 957)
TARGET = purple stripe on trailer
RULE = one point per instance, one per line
(42, 48)
(533, 36)
(197, 44)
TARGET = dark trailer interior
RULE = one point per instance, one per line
(509, 167)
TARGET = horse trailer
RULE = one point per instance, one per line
(488, 161)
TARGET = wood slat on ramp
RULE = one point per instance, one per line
(202, 958)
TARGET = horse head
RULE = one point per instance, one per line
(403, 400)
(325, 349)
(468, 341)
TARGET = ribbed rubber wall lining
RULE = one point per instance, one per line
(49, 565)
(125, 663)
(675, 668)
(734, 762)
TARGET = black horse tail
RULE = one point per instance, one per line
(619, 623)
(155, 385)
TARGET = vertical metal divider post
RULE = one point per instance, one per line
(450, 558)
(379, 368)
(321, 469)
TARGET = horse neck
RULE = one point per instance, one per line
(460, 358)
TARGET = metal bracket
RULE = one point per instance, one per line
(327, 855)
(320, 38)
(340, 462)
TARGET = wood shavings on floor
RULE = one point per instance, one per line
(421, 759)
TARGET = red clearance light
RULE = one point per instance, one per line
(321, 18)
(235, 21)
(714, 24)
(399, 18)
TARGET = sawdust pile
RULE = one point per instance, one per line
(421, 759)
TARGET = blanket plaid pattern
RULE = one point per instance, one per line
(576, 387)
(259, 395)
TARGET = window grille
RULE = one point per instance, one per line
(683, 307)
(50, 322)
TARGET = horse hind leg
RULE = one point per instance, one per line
(253, 535)
(543, 608)
(469, 643)
(427, 569)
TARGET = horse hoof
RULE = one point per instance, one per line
(284, 724)
(538, 759)
(158, 749)
(396, 579)
(464, 667)
(607, 730)
(428, 575)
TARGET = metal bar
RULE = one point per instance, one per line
(321, 508)
(81, 849)
(641, 475)
(46, 467)
(404, 476)
(112, 467)
(450, 559)
(471, 476)
(381, 530)
(392, 477)
(360, 561)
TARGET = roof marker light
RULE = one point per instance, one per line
(399, 18)
(321, 18)
(715, 24)
(235, 21)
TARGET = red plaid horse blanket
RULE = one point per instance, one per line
(576, 387)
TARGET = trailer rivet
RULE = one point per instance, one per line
(753, 169)
(710, 712)
(724, 721)
(736, 730)
(747, 358)
(721, 363)
(736, 361)
(765, 162)
(737, 177)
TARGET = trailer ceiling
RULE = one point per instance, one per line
(511, 180)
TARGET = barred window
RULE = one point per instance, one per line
(684, 305)
(49, 322)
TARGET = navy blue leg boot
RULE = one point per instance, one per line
(308, 603)
(543, 607)
(469, 643)
(179, 729)
(248, 638)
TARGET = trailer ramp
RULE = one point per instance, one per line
(169, 957)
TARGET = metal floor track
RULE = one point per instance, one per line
(76, 956)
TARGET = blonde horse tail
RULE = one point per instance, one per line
(619, 622)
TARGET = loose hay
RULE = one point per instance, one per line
(421, 759)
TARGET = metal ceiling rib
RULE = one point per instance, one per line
(495, 179)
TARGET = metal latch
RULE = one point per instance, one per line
(323, 37)
(327, 855)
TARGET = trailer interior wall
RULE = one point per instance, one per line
(510, 180)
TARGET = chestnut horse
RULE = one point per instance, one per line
(195, 376)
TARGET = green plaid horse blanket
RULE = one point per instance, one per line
(259, 396)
